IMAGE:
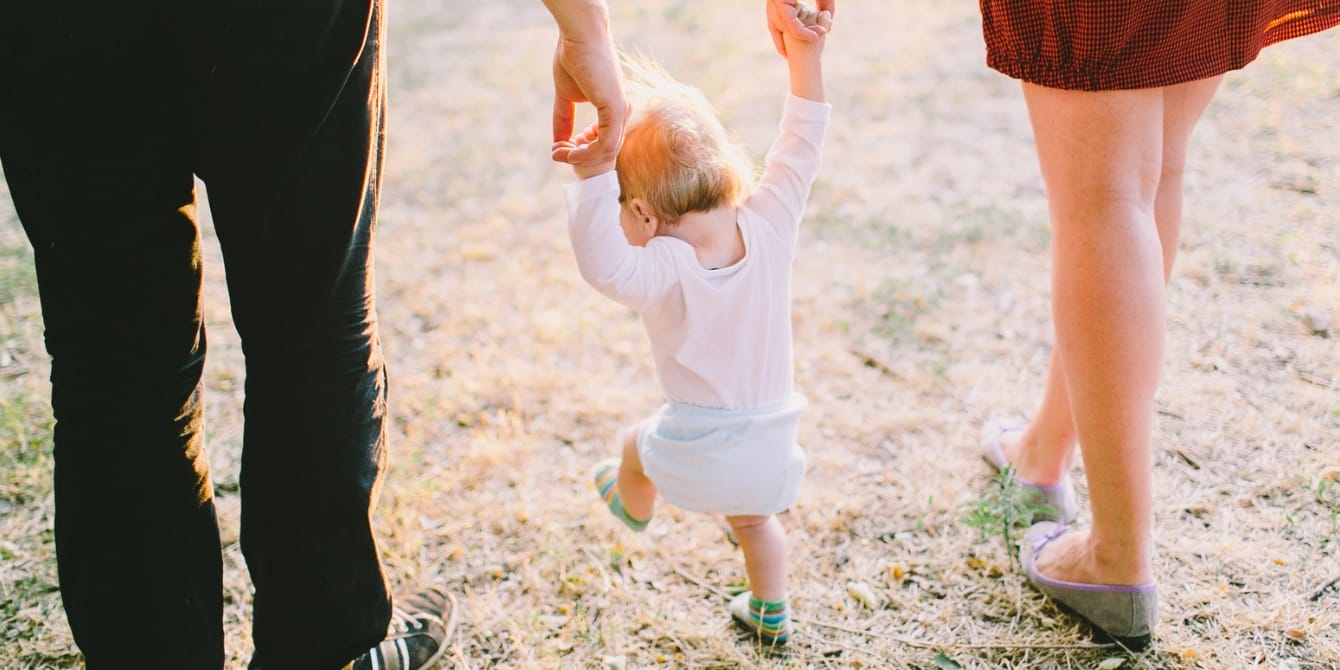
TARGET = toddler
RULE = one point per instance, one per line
(676, 230)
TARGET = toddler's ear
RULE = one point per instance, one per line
(647, 217)
(641, 210)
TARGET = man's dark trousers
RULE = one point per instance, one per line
(107, 110)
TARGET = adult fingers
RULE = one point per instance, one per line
(599, 151)
(560, 150)
(564, 113)
(608, 136)
(587, 135)
(566, 96)
(777, 13)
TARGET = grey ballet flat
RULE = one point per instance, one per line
(1125, 614)
(1059, 496)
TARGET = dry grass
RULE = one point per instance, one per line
(921, 308)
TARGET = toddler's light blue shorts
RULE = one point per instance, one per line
(732, 462)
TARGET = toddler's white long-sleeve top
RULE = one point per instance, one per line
(720, 337)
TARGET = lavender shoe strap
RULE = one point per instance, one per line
(1060, 496)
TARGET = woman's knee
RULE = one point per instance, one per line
(1173, 169)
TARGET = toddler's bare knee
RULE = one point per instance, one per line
(741, 524)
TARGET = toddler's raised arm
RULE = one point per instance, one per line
(803, 56)
(793, 161)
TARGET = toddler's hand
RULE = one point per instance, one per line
(811, 17)
(784, 20)
(821, 22)
(579, 141)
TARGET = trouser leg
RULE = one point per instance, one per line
(293, 181)
(101, 181)
(284, 107)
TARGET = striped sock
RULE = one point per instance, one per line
(769, 620)
(607, 485)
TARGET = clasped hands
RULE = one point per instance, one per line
(587, 71)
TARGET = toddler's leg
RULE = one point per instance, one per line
(631, 497)
(763, 609)
(764, 545)
(637, 492)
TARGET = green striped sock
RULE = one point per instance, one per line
(772, 618)
(767, 620)
(607, 485)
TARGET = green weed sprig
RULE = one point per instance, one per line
(1003, 505)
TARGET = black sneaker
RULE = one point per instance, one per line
(421, 628)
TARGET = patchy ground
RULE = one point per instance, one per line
(921, 309)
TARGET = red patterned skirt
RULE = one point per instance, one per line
(1099, 45)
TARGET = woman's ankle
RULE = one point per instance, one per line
(1085, 559)
(1122, 562)
(1036, 461)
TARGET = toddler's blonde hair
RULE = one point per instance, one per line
(676, 155)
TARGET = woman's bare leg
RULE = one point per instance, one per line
(1101, 157)
(1182, 107)
(1043, 451)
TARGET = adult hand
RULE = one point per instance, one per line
(585, 71)
(782, 19)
